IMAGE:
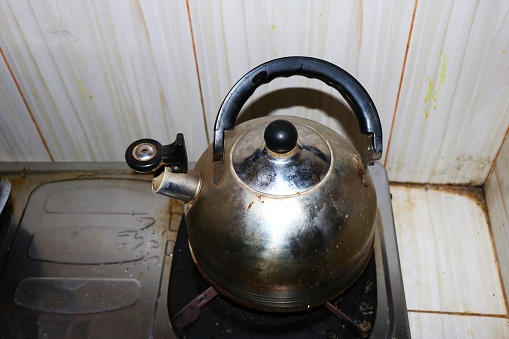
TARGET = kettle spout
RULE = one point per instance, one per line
(181, 186)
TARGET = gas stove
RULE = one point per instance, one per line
(87, 250)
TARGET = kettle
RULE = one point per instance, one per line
(280, 210)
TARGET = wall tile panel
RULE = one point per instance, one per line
(454, 103)
(368, 39)
(19, 138)
(497, 198)
(99, 74)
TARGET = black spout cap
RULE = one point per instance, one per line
(147, 155)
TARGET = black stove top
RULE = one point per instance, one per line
(86, 251)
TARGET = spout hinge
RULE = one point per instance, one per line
(147, 155)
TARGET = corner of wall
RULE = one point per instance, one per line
(497, 198)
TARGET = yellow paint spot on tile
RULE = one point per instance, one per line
(273, 26)
(432, 91)
(82, 89)
(444, 68)
(83, 94)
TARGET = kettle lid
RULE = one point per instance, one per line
(281, 158)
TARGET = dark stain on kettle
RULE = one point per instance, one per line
(299, 174)
(304, 245)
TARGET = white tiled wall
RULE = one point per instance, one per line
(453, 109)
(19, 138)
(97, 75)
(366, 39)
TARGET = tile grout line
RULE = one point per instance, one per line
(27, 107)
(464, 314)
(401, 82)
(494, 163)
(197, 71)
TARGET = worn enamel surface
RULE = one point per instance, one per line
(453, 109)
(97, 75)
(497, 198)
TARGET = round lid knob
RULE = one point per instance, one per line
(280, 136)
(259, 162)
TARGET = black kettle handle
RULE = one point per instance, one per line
(334, 76)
